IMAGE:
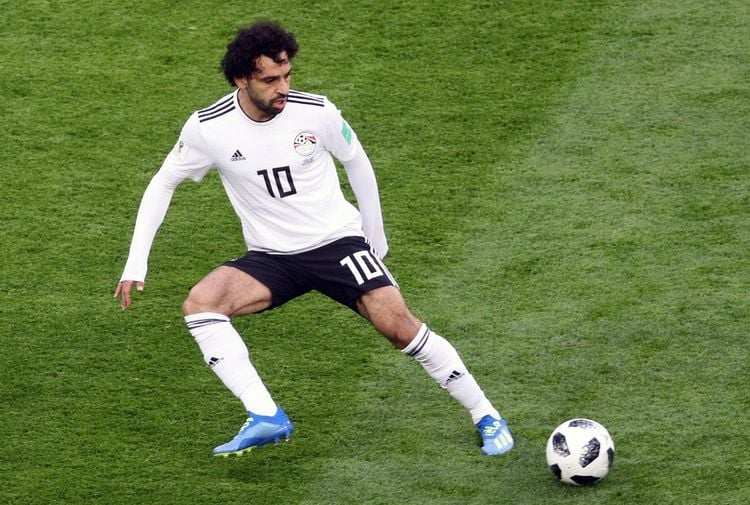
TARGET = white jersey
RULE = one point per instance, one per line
(279, 175)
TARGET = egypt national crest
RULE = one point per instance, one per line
(305, 143)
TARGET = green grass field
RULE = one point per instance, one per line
(566, 191)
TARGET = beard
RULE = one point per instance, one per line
(267, 106)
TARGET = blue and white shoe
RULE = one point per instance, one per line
(496, 437)
(256, 432)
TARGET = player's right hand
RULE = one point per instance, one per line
(122, 291)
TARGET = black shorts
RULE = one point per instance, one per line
(343, 270)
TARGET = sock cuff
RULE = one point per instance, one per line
(206, 324)
(418, 343)
(207, 317)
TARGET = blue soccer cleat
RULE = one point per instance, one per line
(496, 437)
(257, 432)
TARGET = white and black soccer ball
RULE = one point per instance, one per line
(580, 452)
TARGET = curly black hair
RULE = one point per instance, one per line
(264, 38)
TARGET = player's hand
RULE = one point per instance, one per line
(122, 291)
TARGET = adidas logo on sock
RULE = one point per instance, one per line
(454, 376)
(237, 156)
(212, 362)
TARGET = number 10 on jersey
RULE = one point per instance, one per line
(282, 176)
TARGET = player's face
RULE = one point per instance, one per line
(264, 94)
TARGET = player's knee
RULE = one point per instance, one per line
(198, 300)
(189, 306)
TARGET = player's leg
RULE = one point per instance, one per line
(228, 291)
(386, 310)
(224, 293)
(348, 272)
(220, 295)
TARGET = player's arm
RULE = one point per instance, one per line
(343, 143)
(186, 160)
(151, 213)
(362, 180)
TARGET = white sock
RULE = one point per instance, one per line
(442, 362)
(226, 353)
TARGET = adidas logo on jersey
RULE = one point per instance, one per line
(237, 156)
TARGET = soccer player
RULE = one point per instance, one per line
(273, 148)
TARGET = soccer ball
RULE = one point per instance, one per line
(580, 452)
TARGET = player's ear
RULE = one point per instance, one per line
(241, 82)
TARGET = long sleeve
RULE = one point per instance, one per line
(185, 161)
(362, 180)
(151, 213)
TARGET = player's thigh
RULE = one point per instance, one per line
(386, 309)
(227, 290)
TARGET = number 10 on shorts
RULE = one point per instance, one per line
(363, 266)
